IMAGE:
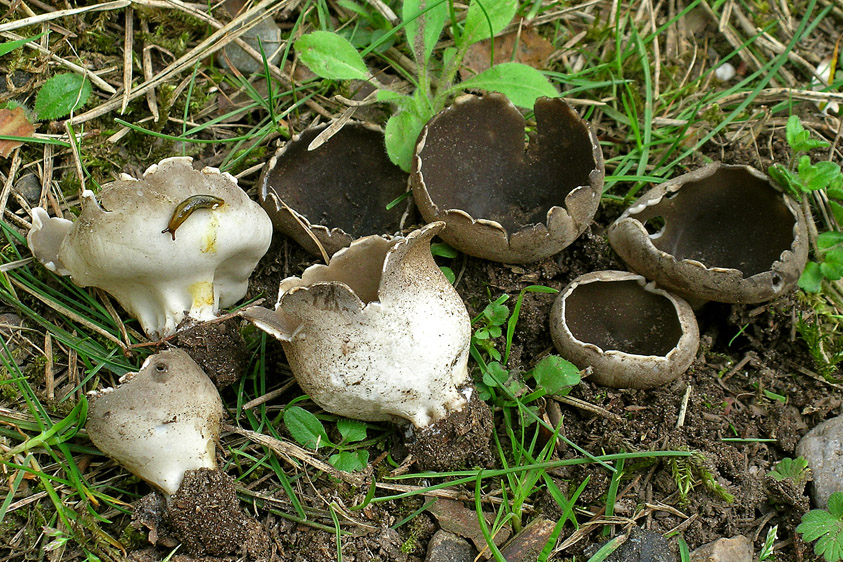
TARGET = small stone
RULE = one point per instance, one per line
(823, 448)
(448, 547)
(725, 72)
(526, 545)
(641, 546)
(736, 549)
(270, 38)
(29, 186)
(456, 518)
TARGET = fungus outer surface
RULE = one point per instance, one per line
(121, 244)
(632, 334)
(722, 233)
(159, 422)
(503, 200)
(340, 190)
(398, 349)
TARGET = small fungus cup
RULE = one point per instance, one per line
(631, 333)
(159, 422)
(721, 233)
(339, 191)
(379, 334)
(502, 200)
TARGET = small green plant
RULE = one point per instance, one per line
(821, 334)
(689, 471)
(793, 469)
(491, 322)
(767, 550)
(803, 177)
(62, 94)
(826, 527)
(331, 56)
(442, 250)
(309, 432)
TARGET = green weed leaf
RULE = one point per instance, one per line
(482, 13)
(817, 176)
(401, 101)
(10, 46)
(556, 375)
(786, 179)
(836, 210)
(811, 279)
(351, 430)
(495, 375)
(827, 526)
(829, 239)
(423, 30)
(496, 313)
(61, 94)
(305, 428)
(799, 139)
(522, 84)
(401, 132)
(349, 461)
(794, 469)
(331, 56)
(448, 273)
(443, 250)
(832, 265)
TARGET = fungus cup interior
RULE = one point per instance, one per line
(360, 267)
(345, 183)
(622, 316)
(730, 219)
(479, 158)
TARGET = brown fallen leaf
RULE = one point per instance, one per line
(13, 123)
(533, 50)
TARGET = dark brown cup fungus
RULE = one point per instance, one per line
(631, 333)
(723, 233)
(339, 191)
(500, 200)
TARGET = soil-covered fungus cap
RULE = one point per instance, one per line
(631, 333)
(379, 334)
(339, 191)
(502, 200)
(178, 242)
(159, 422)
(721, 233)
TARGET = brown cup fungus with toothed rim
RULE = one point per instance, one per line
(631, 333)
(502, 200)
(721, 233)
(339, 191)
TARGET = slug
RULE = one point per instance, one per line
(186, 208)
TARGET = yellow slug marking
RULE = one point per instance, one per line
(203, 294)
(209, 239)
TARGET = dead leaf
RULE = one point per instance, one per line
(533, 50)
(13, 123)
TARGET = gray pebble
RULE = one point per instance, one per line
(736, 549)
(270, 36)
(823, 448)
(29, 186)
(448, 547)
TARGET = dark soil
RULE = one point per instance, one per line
(204, 516)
